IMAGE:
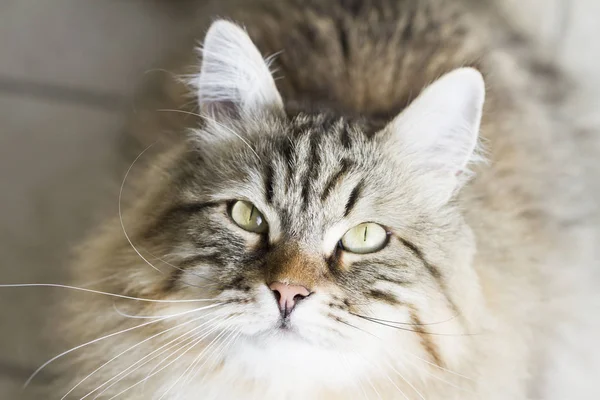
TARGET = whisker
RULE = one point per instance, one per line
(121, 214)
(358, 380)
(129, 349)
(396, 386)
(123, 314)
(197, 368)
(167, 346)
(123, 225)
(106, 337)
(386, 375)
(356, 327)
(228, 345)
(406, 380)
(410, 330)
(191, 367)
(438, 378)
(226, 342)
(410, 323)
(101, 280)
(441, 368)
(373, 387)
(427, 362)
(205, 333)
(178, 268)
(194, 344)
(180, 345)
(216, 123)
(56, 285)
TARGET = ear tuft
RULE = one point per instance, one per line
(234, 77)
(438, 131)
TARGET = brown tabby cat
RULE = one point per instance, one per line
(333, 234)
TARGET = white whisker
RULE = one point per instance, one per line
(123, 225)
(437, 377)
(178, 268)
(97, 281)
(369, 381)
(206, 117)
(166, 348)
(358, 380)
(106, 337)
(194, 344)
(233, 133)
(437, 366)
(191, 366)
(406, 380)
(373, 387)
(121, 214)
(56, 285)
(204, 334)
(425, 361)
(217, 351)
(129, 349)
(123, 314)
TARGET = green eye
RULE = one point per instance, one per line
(247, 217)
(365, 238)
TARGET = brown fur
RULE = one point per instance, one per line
(369, 59)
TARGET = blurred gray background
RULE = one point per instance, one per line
(68, 71)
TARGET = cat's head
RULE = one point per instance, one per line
(334, 251)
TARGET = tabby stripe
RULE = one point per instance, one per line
(335, 179)
(425, 337)
(287, 156)
(344, 42)
(269, 177)
(213, 259)
(407, 32)
(178, 271)
(179, 268)
(168, 217)
(353, 198)
(415, 250)
(313, 166)
(345, 137)
(386, 297)
(360, 265)
(433, 271)
(191, 208)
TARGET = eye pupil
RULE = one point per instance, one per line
(365, 238)
(246, 216)
(251, 213)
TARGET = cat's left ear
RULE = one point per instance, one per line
(437, 134)
(234, 78)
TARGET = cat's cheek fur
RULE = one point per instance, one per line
(468, 321)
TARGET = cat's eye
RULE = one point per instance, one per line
(247, 217)
(365, 238)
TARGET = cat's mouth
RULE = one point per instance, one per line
(284, 325)
(284, 328)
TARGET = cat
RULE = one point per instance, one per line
(390, 205)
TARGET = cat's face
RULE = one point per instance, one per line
(331, 251)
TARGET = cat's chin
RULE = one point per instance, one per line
(286, 349)
(282, 334)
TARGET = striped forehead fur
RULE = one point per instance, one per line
(473, 283)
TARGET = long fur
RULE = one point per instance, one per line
(485, 289)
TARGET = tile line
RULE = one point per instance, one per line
(48, 91)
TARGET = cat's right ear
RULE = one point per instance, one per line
(234, 79)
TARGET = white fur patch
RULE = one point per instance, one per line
(234, 73)
(438, 131)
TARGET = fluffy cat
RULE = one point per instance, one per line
(337, 234)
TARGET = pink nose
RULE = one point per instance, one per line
(288, 296)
